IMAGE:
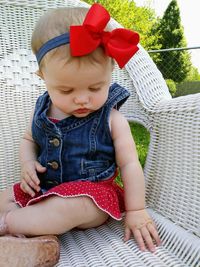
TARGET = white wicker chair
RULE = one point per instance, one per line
(172, 168)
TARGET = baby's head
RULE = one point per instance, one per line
(75, 48)
(83, 33)
(57, 22)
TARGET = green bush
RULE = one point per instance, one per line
(172, 86)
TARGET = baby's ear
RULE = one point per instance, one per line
(39, 73)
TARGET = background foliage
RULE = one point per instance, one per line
(174, 65)
(188, 87)
(140, 19)
(171, 86)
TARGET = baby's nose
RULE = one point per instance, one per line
(82, 99)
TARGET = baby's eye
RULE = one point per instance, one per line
(66, 92)
(92, 89)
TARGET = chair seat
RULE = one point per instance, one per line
(104, 246)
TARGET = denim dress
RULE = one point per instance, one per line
(78, 154)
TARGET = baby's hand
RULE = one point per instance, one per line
(29, 179)
(143, 229)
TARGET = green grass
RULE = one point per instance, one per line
(142, 138)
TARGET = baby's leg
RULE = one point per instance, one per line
(55, 215)
(41, 251)
(7, 202)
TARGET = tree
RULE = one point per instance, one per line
(193, 74)
(140, 19)
(174, 65)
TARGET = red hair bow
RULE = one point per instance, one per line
(120, 44)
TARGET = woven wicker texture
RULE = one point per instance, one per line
(172, 169)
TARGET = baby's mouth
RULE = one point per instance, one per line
(82, 110)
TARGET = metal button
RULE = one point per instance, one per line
(54, 165)
(55, 142)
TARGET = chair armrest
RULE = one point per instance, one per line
(172, 168)
(183, 104)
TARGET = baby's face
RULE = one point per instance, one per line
(78, 87)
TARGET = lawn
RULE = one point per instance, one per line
(142, 138)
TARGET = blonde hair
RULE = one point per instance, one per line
(56, 22)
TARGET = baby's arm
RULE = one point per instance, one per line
(29, 164)
(137, 220)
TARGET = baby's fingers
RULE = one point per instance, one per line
(148, 239)
(39, 167)
(137, 235)
(26, 188)
(139, 239)
(127, 234)
(29, 179)
(154, 233)
(32, 180)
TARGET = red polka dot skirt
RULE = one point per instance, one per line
(107, 195)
